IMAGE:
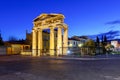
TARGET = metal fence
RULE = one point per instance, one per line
(77, 51)
(81, 51)
(65, 51)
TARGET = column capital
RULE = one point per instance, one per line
(65, 28)
(51, 27)
(39, 29)
(34, 30)
(59, 26)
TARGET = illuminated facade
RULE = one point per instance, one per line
(52, 22)
(16, 47)
(77, 41)
(116, 44)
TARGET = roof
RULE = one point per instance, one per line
(84, 37)
(73, 39)
(15, 42)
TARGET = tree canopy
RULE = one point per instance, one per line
(89, 43)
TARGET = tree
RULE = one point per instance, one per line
(90, 43)
(1, 40)
(109, 48)
(89, 47)
(104, 43)
(102, 40)
(97, 41)
(105, 39)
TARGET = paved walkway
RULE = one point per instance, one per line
(20, 57)
(14, 57)
(16, 67)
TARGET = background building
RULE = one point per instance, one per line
(77, 41)
(16, 47)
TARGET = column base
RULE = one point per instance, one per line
(59, 51)
(38, 53)
(34, 53)
(52, 52)
(65, 51)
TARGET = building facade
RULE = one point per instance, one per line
(116, 44)
(77, 41)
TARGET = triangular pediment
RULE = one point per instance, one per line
(47, 16)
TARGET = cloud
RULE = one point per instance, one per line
(110, 35)
(113, 22)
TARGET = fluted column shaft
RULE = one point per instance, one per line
(40, 42)
(51, 41)
(65, 41)
(34, 43)
(59, 41)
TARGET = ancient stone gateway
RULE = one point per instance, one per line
(49, 21)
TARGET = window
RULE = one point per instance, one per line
(68, 43)
(74, 43)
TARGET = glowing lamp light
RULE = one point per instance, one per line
(68, 52)
(80, 45)
(70, 45)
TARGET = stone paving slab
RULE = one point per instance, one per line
(14, 58)
(27, 76)
(20, 57)
(48, 68)
(21, 76)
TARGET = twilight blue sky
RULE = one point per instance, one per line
(84, 17)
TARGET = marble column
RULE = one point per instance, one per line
(65, 41)
(34, 48)
(59, 41)
(52, 41)
(40, 42)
